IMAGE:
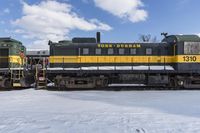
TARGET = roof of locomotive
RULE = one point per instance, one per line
(11, 41)
(105, 43)
(166, 41)
(182, 38)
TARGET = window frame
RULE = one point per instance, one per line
(84, 52)
(133, 53)
(109, 51)
(148, 51)
(98, 52)
(120, 51)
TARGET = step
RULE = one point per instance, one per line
(16, 79)
(16, 85)
(41, 84)
(42, 81)
(40, 87)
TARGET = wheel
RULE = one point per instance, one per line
(6, 83)
(172, 83)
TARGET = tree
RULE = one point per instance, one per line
(147, 38)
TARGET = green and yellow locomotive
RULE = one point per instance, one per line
(88, 63)
(12, 63)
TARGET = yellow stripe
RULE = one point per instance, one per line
(12, 59)
(16, 59)
(188, 58)
(111, 59)
(124, 59)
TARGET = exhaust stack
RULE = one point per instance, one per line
(98, 37)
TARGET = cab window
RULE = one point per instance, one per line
(191, 47)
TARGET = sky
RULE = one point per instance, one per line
(34, 22)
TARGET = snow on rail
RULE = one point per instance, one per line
(117, 68)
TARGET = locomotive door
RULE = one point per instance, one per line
(4, 60)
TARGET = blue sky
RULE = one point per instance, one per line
(34, 22)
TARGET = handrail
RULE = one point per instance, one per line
(132, 63)
(63, 61)
(164, 64)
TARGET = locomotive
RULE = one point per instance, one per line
(90, 63)
(13, 72)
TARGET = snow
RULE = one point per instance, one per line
(4, 69)
(125, 85)
(117, 68)
(40, 111)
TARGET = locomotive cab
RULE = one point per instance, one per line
(186, 59)
(186, 49)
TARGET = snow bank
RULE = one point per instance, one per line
(100, 112)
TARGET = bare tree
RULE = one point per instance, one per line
(154, 39)
(147, 38)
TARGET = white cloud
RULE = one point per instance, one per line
(37, 44)
(128, 9)
(6, 10)
(52, 20)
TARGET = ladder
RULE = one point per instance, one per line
(16, 76)
(40, 76)
(17, 73)
(41, 81)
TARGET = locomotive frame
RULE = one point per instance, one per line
(162, 64)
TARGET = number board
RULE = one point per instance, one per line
(190, 58)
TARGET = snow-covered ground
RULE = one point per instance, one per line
(40, 111)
